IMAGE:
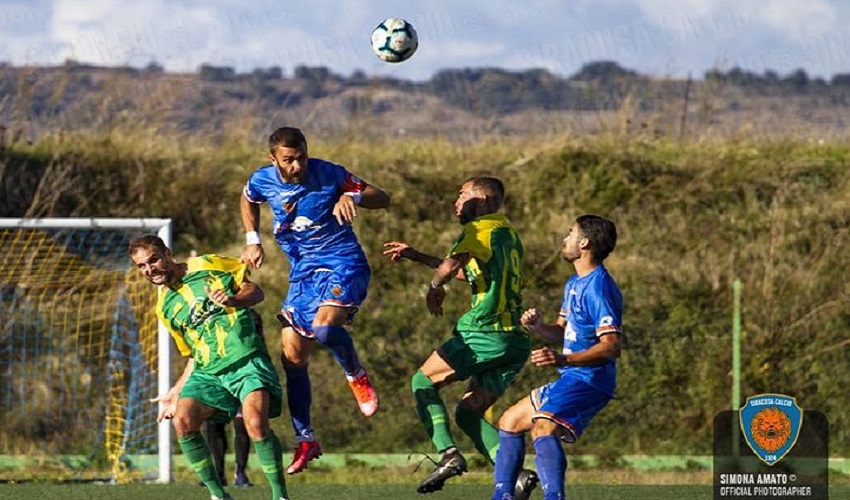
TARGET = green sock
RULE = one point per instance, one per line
(271, 459)
(482, 432)
(432, 411)
(195, 449)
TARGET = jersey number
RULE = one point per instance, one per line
(515, 271)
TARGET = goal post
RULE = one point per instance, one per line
(81, 350)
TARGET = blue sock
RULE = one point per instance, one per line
(337, 339)
(299, 396)
(551, 466)
(509, 461)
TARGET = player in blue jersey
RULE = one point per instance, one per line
(590, 327)
(313, 202)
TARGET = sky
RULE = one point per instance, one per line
(648, 36)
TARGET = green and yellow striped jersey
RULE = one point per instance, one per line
(494, 272)
(214, 336)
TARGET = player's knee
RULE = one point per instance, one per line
(256, 426)
(294, 359)
(330, 334)
(544, 427)
(295, 349)
(507, 422)
(420, 381)
(184, 425)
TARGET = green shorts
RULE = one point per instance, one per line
(493, 358)
(226, 390)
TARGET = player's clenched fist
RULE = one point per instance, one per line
(219, 296)
(547, 356)
(531, 319)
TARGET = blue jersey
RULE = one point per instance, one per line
(592, 307)
(304, 225)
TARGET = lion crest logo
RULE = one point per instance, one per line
(771, 429)
(771, 425)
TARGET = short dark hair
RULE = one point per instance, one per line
(288, 137)
(147, 241)
(493, 187)
(601, 232)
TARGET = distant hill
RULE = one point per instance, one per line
(453, 103)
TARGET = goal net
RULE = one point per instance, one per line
(80, 351)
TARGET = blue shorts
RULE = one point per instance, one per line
(341, 287)
(569, 403)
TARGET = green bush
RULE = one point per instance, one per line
(692, 218)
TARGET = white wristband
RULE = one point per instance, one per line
(252, 238)
(356, 196)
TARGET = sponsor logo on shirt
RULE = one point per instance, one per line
(201, 310)
(301, 224)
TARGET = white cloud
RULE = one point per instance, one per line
(660, 10)
(797, 19)
(800, 19)
(114, 32)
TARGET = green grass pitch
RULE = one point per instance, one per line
(41, 491)
(45, 491)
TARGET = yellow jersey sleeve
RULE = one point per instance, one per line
(213, 262)
(475, 241)
(182, 346)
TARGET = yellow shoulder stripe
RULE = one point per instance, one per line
(213, 262)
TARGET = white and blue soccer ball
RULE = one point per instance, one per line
(394, 40)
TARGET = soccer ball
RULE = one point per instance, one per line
(394, 40)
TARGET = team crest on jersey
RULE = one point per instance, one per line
(336, 290)
(201, 310)
(771, 425)
(288, 199)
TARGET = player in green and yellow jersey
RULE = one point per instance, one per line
(204, 304)
(489, 345)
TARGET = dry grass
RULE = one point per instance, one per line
(693, 215)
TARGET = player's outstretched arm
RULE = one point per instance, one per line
(397, 250)
(373, 197)
(253, 253)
